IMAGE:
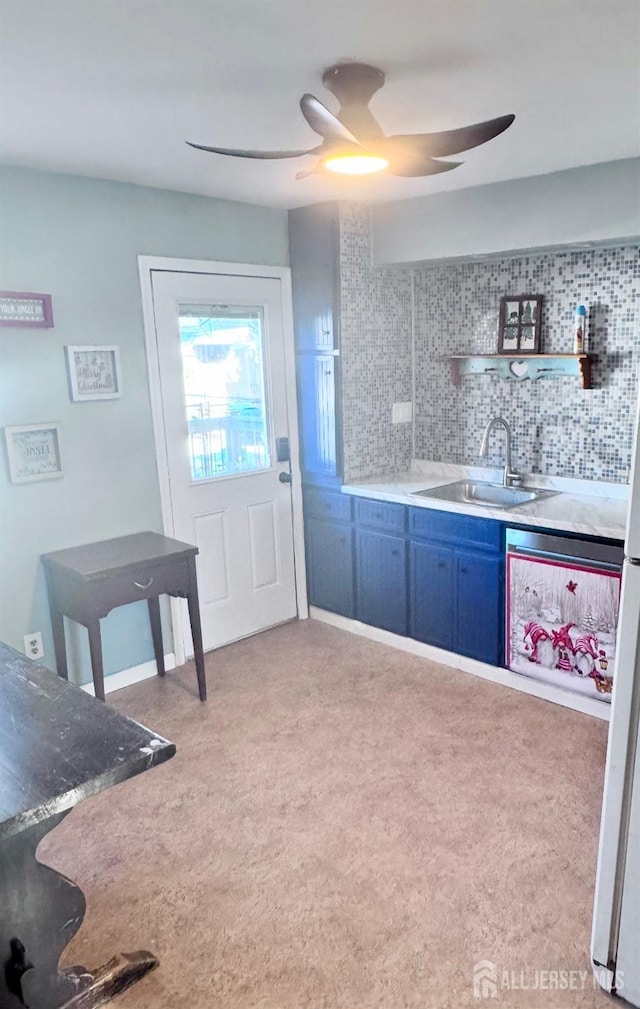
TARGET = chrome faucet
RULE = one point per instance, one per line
(509, 479)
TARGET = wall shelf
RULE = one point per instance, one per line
(522, 366)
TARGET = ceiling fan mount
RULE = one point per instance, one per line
(353, 141)
(353, 82)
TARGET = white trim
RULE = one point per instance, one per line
(134, 674)
(282, 273)
(546, 691)
(300, 566)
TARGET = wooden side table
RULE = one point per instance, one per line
(87, 582)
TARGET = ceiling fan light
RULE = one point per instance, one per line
(356, 164)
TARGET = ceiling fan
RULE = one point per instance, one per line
(353, 142)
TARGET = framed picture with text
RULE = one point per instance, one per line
(94, 373)
(520, 324)
(33, 452)
(25, 308)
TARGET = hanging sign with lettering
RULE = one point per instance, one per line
(24, 308)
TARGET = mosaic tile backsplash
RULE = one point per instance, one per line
(559, 429)
(375, 335)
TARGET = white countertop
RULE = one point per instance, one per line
(580, 506)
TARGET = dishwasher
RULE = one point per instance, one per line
(562, 600)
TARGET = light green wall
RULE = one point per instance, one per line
(594, 203)
(78, 239)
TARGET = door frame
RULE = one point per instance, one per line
(148, 264)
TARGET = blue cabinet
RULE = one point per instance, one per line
(314, 240)
(456, 583)
(330, 565)
(329, 546)
(314, 250)
(317, 383)
(432, 618)
(434, 575)
(381, 580)
(478, 612)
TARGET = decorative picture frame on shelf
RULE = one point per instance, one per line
(94, 372)
(34, 452)
(520, 324)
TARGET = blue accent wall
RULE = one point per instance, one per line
(78, 239)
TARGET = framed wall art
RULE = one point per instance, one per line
(26, 308)
(520, 324)
(94, 373)
(34, 452)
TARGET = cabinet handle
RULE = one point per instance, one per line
(442, 564)
(146, 585)
(464, 571)
(395, 553)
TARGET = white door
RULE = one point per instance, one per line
(221, 364)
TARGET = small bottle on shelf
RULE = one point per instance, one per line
(580, 330)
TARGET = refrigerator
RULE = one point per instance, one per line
(615, 945)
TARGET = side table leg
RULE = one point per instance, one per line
(59, 643)
(156, 632)
(57, 627)
(196, 628)
(95, 648)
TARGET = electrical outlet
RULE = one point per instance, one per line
(401, 413)
(33, 647)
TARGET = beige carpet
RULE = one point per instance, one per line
(343, 826)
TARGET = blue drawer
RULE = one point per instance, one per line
(380, 515)
(326, 504)
(459, 530)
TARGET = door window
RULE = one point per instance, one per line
(223, 370)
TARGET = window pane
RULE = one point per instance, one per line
(223, 368)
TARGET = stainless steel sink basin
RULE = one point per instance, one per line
(489, 495)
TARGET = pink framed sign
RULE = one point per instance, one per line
(26, 308)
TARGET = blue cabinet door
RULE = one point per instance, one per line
(479, 630)
(314, 248)
(381, 580)
(330, 565)
(319, 427)
(432, 594)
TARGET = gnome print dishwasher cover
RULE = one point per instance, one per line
(561, 623)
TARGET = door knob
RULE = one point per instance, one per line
(284, 477)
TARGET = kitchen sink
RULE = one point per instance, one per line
(489, 495)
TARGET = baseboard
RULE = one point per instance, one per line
(116, 681)
(546, 691)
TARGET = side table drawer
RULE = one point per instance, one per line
(148, 581)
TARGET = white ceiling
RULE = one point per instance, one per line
(113, 88)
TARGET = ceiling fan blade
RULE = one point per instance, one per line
(324, 122)
(416, 166)
(442, 145)
(262, 155)
(316, 170)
